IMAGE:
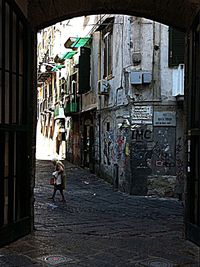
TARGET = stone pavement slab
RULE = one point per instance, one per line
(99, 227)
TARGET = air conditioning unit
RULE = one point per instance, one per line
(103, 87)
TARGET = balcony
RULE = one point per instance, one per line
(71, 107)
(59, 113)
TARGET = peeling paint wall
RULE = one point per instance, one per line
(137, 123)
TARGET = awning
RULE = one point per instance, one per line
(43, 76)
(76, 42)
(59, 113)
(69, 55)
(105, 23)
(57, 67)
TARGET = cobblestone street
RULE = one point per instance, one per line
(99, 227)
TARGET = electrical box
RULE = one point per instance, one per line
(136, 77)
(146, 77)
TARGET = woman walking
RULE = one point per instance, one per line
(59, 179)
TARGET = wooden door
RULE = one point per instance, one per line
(192, 217)
(16, 125)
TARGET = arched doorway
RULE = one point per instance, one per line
(44, 13)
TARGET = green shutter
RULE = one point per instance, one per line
(176, 47)
(84, 70)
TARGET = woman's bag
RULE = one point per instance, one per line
(52, 181)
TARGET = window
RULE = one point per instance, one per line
(62, 88)
(108, 126)
(45, 91)
(107, 54)
(106, 28)
(108, 46)
(50, 89)
(176, 47)
(107, 33)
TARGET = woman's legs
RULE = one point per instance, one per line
(61, 192)
(58, 187)
(54, 193)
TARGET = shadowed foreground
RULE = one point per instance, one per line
(99, 227)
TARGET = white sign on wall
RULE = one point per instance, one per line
(142, 114)
(165, 118)
(121, 98)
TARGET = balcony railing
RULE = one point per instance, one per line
(71, 107)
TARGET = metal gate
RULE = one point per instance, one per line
(15, 123)
(193, 104)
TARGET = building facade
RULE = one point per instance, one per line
(57, 85)
(140, 115)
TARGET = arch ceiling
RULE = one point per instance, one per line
(177, 13)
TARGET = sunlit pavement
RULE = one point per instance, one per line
(99, 227)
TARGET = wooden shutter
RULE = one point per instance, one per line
(84, 70)
(176, 47)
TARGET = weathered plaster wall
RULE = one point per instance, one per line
(166, 77)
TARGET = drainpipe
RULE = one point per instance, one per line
(156, 62)
(99, 115)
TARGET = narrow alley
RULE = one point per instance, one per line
(100, 227)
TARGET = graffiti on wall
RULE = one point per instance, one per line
(119, 147)
(108, 149)
(142, 134)
(163, 154)
(140, 157)
(163, 151)
(108, 140)
(180, 166)
(122, 151)
(114, 148)
(155, 154)
(114, 143)
(141, 149)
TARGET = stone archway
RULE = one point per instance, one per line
(180, 14)
(41, 13)
(177, 13)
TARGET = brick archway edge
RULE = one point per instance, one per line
(177, 13)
